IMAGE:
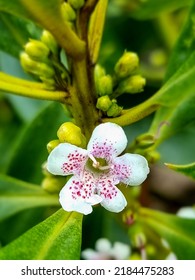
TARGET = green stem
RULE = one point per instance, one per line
(83, 97)
(136, 113)
(33, 92)
(21, 82)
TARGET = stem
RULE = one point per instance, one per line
(33, 92)
(17, 81)
(83, 97)
(136, 113)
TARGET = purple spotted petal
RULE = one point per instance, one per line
(79, 195)
(108, 140)
(112, 198)
(66, 159)
(131, 169)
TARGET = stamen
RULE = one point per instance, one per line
(104, 167)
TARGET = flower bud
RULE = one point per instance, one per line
(67, 12)
(53, 184)
(37, 50)
(35, 67)
(49, 84)
(76, 4)
(105, 85)
(104, 103)
(128, 63)
(137, 236)
(133, 84)
(48, 39)
(70, 133)
(114, 110)
(145, 141)
(52, 144)
(99, 72)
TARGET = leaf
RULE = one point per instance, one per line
(177, 96)
(30, 150)
(178, 232)
(188, 169)
(152, 8)
(56, 238)
(16, 195)
(185, 44)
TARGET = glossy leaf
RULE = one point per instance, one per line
(56, 238)
(187, 169)
(16, 195)
(177, 96)
(152, 8)
(30, 151)
(178, 232)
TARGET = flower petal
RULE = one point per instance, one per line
(112, 198)
(108, 140)
(78, 195)
(66, 159)
(131, 169)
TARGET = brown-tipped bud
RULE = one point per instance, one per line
(126, 65)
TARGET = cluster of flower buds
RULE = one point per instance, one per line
(42, 59)
(124, 80)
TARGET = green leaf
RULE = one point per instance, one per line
(185, 44)
(178, 232)
(187, 169)
(16, 195)
(56, 238)
(177, 96)
(152, 8)
(30, 150)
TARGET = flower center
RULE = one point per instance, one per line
(97, 165)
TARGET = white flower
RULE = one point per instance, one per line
(97, 170)
(105, 251)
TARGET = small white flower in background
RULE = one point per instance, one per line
(105, 251)
(171, 255)
(186, 212)
(97, 170)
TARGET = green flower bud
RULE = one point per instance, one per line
(35, 67)
(99, 72)
(135, 256)
(114, 110)
(37, 50)
(104, 103)
(53, 184)
(145, 141)
(52, 144)
(67, 12)
(105, 85)
(76, 4)
(48, 39)
(133, 84)
(127, 64)
(70, 133)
